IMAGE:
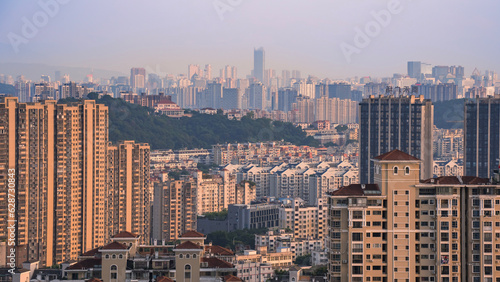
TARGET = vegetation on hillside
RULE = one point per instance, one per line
(134, 122)
(230, 240)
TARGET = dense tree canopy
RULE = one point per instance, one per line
(134, 122)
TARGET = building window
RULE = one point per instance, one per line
(407, 170)
(187, 271)
(395, 169)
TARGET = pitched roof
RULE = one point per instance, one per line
(114, 246)
(454, 180)
(216, 263)
(231, 278)
(125, 234)
(90, 253)
(192, 234)
(188, 245)
(164, 279)
(93, 280)
(218, 250)
(357, 190)
(396, 155)
(85, 264)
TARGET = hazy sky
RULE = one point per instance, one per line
(296, 34)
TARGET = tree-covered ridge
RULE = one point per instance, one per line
(134, 122)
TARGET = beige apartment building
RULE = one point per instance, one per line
(304, 221)
(174, 209)
(60, 156)
(404, 229)
(129, 185)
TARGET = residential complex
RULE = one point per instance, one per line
(65, 175)
(401, 228)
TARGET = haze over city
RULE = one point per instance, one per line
(303, 35)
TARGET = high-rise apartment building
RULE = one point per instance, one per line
(174, 209)
(137, 78)
(387, 123)
(60, 155)
(257, 96)
(259, 64)
(404, 229)
(23, 89)
(482, 136)
(128, 189)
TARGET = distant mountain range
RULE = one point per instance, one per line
(34, 71)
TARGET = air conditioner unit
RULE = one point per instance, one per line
(344, 261)
(369, 260)
(432, 227)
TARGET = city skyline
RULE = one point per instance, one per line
(198, 34)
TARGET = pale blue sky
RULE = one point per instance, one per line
(296, 34)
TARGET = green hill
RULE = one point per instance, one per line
(133, 122)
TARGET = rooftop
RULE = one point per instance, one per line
(188, 245)
(357, 190)
(396, 155)
(192, 234)
(125, 234)
(456, 180)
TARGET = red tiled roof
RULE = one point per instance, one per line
(218, 250)
(164, 279)
(93, 280)
(188, 245)
(90, 253)
(453, 180)
(192, 234)
(217, 263)
(85, 264)
(125, 234)
(114, 246)
(355, 190)
(231, 278)
(396, 155)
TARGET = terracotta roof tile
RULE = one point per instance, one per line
(453, 180)
(357, 190)
(188, 245)
(90, 253)
(114, 246)
(192, 234)
(218, 250)
(231, 278)
(85, 264)
(396, 155)
(217, 263)
(125, 234)
(93, 280)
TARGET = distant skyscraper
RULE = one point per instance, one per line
(388, 123)
(137, 78)
(482, 136)
(257, 96)
(23, 89)
(414, 69)
(194, 69)
(296, 74)
(208, 72)
(259, 64)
